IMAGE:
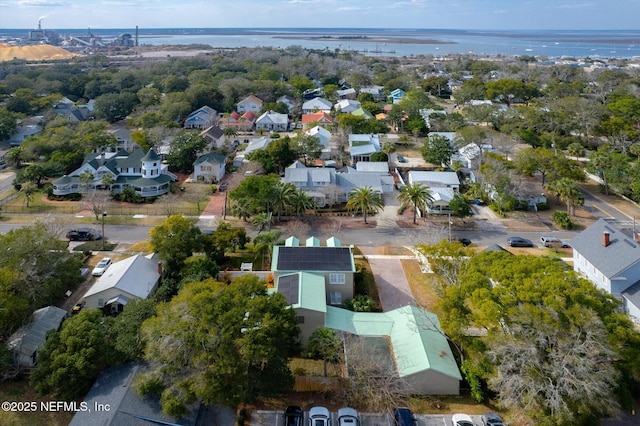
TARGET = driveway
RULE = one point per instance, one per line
(393, 287)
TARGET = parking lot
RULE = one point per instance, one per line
(274, 418)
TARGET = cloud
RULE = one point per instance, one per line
(43, 3)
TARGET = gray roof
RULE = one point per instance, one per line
(127, 408)
(632, 294)
(621, 253)
(310, 259)
(211, 157)
(27, 340)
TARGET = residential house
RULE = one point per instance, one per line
(333, 263)
(209, 167)
(288, 101)
(362, 146)
(360, 112)
(315, 105)
(469, 155)
(254, 145)
(346, 106)
(379, 167)
(136, 277)
(123, 139)
(348, 93)
(214, 136)
(410, 339)
(122, 406)
(376, 91)
(314, 277)
(320, 118)
(327, 187)
(610, 258)
(325, 139)
(242, 123)
(428, 112)
(397, 95)
(273, 121)
(312, 93)
(25, 343)
(443, 187)
(144, 172)
(25, 129)
(202, 118)
(250, 103)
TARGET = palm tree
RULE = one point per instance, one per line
(28, 189)
(568, 191)
(108, 180)
(262, 221)
(364, 199)
(241, 209)
(15, 156)
(418, 195)
(280, 197)
(300, 202)
(263, 245)
(85, 178)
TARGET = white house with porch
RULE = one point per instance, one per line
(273, 121)
(144, 172)
(362, 146)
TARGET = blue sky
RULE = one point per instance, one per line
(456, 14)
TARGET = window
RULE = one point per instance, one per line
(100, 302)
(335, 298)
(300, 320)
(336, 279)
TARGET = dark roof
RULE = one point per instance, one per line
(313, 259)
(633, 294)
(127, 408)
(621, 252)
(211, 157)
(151, 156)
(289, 286)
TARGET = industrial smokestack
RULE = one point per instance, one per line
(136, 36)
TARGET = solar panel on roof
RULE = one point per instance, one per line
(314, 259)
(289, 288)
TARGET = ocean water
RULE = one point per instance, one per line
(392, 42)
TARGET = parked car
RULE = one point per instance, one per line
(519, 242)
(319, 416)
(492, 419)
(83, 234)
(293, 416)
(554, 242)
(348, 417)
(77, 308)
(402, 159)
(462, 420)
(101, 267)
(465, 241)
(223, 186)
(403, 416)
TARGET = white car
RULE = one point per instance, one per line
(462, 420)
(101, 267)
(319, 416)
(348, 417)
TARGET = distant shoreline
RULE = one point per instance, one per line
(365, 39)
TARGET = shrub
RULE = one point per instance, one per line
(542, 206)
(562, 220)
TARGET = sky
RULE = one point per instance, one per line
(449, 14)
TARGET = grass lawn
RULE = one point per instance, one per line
(368, 284)
(19, 390)
(421, 285)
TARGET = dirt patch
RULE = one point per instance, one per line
(39, 52)
(305, 400)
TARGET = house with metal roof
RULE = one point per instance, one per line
(324, 136)
(346, 106)
(209, 167)
(418, 348)
(610, 258)
(315, 105)
(273, 121)
(25, 343)
(136, 277)
(435, 179)
(333, 262)
(362, 146)
(144, 172)
(250, 103)
(201, 118)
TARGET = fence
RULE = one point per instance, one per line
(142, 210)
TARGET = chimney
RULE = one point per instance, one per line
(638, 237)
(605, 239)
(160, 269)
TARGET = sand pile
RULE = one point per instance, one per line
(39, 52)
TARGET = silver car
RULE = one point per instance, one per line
(101, 267)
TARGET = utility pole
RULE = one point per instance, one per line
(449, 227)
(104, 214)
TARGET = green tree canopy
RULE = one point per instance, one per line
(223, 343)
(184, 150)
(437, 149)
(175, 240)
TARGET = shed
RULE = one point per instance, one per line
(25, 342)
